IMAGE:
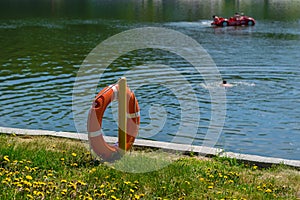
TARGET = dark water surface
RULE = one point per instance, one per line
(43, 43)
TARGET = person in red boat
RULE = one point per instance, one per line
(237, 16)
(215, 17)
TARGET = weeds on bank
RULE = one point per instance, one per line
(51, 168)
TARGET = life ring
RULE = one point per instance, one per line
(95, 135)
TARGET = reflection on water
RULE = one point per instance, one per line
(42, 49)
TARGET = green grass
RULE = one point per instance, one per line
(57, 168)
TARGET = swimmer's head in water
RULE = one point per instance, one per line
(224, 82)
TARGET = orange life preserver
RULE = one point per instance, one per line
(95, 135)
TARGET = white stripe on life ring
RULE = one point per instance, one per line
(114, 88)
(133, 115)
(96, 133)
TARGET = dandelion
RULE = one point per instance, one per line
(254, 167)
(268, 190)
(74, 154)
(29, 196)
(210, 187)
(187, 182)
(28, 177)
(6, 158)
(230, 181)
(92, 170)
(64, 191)
(131, 190)
(74, 164)
(82, 183)
(63, 181)
(62, 159)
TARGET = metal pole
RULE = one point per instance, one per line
(122, 111)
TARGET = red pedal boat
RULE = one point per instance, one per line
(236, 20)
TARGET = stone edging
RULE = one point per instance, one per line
(199, 150)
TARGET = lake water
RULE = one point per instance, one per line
(43, 44)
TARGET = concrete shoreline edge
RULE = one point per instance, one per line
(197, 150)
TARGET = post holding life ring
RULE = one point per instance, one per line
(95, 135)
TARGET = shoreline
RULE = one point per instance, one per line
(261, 161)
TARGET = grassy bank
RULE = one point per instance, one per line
(57, 168)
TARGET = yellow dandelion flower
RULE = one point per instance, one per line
(210, 187)
(254, 167)
(131, 190)
(63, 181)
(201, 179)
(137, 196)
(113, 197)
(127, 182)
(92, 170)
(27, 189)
(6, 158)
(29, 196)
(28, 177)
(268, 190)
(81, 183)
(102, 186)
(74, 154)
(74, 164)
(62, 159)
(27, 183)
(187, 182)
